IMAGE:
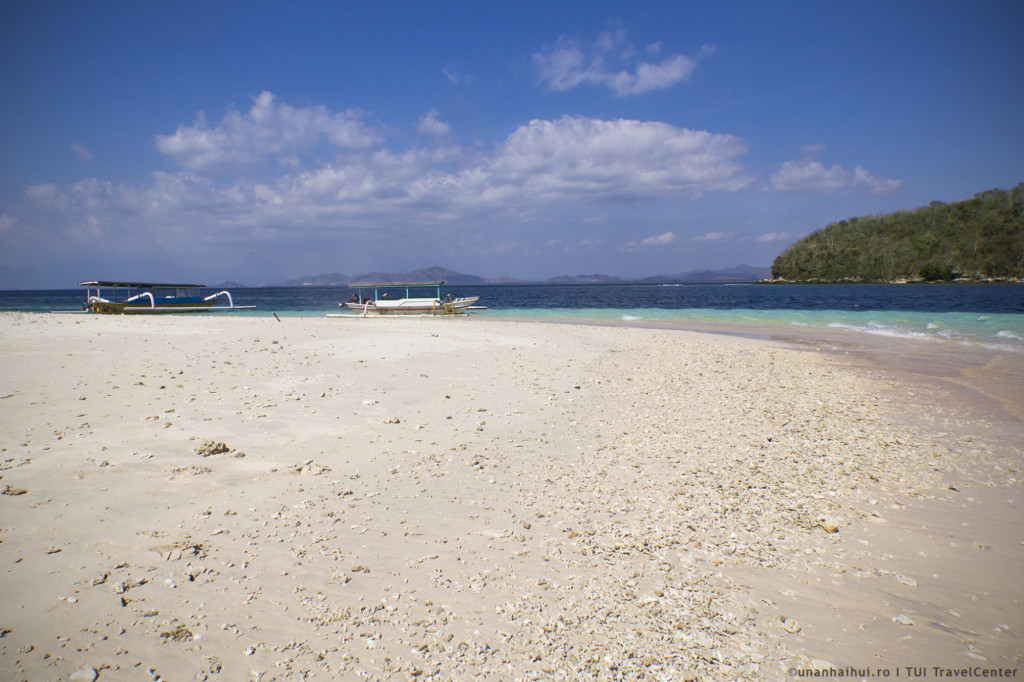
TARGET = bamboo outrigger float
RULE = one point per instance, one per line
(151, 298)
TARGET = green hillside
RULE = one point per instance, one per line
(981, 238)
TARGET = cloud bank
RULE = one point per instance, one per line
(280, 175)
(366, 186)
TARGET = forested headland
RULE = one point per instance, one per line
(980, 239)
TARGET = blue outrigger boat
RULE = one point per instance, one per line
(149, 298)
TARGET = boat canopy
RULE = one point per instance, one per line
(141, 285)
(408, 286)
(367, 285)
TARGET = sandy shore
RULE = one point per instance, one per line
(247, 499)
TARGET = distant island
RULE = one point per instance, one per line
(980, 239)
(739, 273)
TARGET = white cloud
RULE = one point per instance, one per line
(623, 159)
(562, 68)
(455, 76)
(41, 193)
(709, 237)
(773, 237)
(590, 244)
(431, 125)
(877, 185)
(653, 76)
(267, 129)
(504, 246)
(807, 174)
(611, 61)
(660, 240)
(81, 152)
(7, 223)
(666, 239)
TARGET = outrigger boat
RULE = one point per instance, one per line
(149, 298)
(383, 302)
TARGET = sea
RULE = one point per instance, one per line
(986, 314)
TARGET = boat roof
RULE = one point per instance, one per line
(139, 285)
(354, 285)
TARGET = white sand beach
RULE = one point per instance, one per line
(213, 498)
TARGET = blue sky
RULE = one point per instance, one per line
(262, 141)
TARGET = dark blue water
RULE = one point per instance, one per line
(987, 313)
(987, 298)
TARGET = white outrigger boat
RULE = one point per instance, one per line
(384, 302)
(150, 298)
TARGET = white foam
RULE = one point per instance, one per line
(878, 329)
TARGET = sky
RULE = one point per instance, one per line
(258, 141)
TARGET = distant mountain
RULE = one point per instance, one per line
(584, 279)
(738, 273)
(333, 279)
(434, 274)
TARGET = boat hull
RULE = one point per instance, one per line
(412, 306)
(144, 308)
(150, 298)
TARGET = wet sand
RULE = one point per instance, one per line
(211, 498)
